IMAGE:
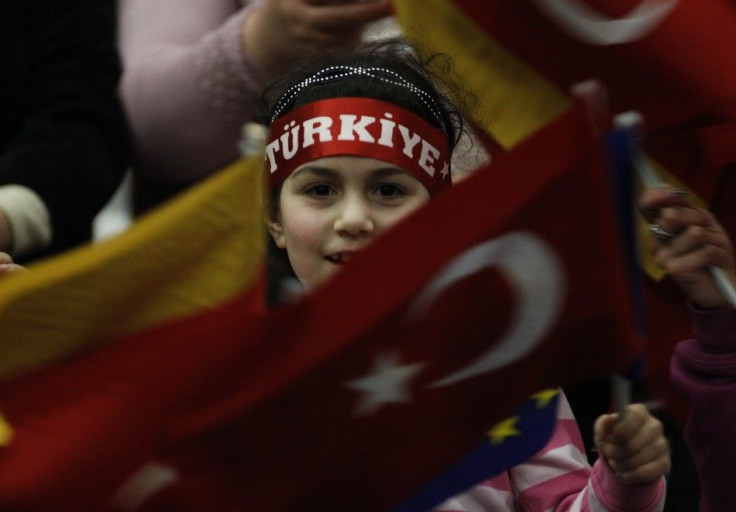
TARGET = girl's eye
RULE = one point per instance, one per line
(320, 190)
(388, 190)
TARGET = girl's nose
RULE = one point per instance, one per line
(354, 218)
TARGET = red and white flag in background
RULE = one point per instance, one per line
(664, 58)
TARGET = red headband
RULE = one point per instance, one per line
(357, 127)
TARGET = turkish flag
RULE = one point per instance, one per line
(667, 59)
(357, 395)
(664, 58)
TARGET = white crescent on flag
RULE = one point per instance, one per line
(536, 275)
(590, 26)
(144, 484)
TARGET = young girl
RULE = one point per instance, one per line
(354, 147)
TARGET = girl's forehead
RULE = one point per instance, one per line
(349, 166)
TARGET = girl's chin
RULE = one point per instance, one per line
(312, 282)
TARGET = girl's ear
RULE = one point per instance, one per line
(276, 230)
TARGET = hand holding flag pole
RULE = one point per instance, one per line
(634, 121)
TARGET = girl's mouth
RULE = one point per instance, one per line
(339, 258)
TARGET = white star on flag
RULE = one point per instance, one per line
(387, 383)
(445, 170)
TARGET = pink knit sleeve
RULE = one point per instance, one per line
(608, 494)
(187, 86)
(705, 369)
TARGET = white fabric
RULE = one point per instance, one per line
(30, 221)
(117, 215)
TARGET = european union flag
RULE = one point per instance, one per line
(510, 442)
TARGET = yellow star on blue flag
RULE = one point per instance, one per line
(504, 429)
(509, 443)
(545, 396)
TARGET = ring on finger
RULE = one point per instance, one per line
(659, 233)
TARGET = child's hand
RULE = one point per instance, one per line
(697, 241)
(634, 448)
(7, 266)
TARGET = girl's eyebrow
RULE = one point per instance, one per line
(326, 172)
(386, 172)
(319, 171)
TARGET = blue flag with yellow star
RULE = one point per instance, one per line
(509, 443)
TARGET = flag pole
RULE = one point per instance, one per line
(594, 96)
(633, 120)
(621, 387)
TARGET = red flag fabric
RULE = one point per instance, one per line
(664, 58)
(357, 395)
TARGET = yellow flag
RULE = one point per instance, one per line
(195, 252)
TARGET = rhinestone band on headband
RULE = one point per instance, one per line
(326, 75)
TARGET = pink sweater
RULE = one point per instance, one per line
(188, 86)
(705, 369)
(558, 478)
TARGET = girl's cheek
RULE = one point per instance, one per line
(305, 228)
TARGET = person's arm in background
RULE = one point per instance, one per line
(194, 71)
(65, 137)
(704, 368)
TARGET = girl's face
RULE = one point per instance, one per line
(332, 207)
